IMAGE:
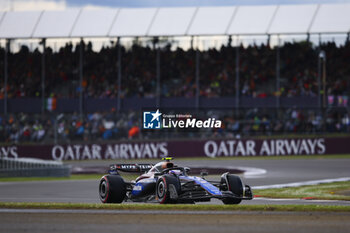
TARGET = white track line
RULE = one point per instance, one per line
(252, 171)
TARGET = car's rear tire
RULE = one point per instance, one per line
(167, 189)
(235, 185)
(112, 189)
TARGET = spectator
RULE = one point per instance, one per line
(298, 71)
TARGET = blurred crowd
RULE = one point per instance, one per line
(217, 71)
(105, 126)
(298, 71)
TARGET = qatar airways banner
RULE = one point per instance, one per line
(182, 148)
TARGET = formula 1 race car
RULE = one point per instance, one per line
(165, 182)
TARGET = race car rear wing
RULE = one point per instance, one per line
(139, 168)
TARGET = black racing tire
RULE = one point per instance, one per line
(163, 190)
(112, 189)
(235, 185)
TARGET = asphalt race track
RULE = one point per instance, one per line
(268, 172)
(278, 171)
(170, 221)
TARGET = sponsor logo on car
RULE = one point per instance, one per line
(137, 188)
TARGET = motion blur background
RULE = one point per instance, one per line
(82, 71)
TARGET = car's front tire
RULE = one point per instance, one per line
(167, 189)
(112, 189)
(234, 184)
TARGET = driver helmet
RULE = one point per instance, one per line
(166, 165)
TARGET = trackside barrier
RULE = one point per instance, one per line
(30, 167)
(212, 148)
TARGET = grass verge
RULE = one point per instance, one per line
(331, 191)
(186, 207)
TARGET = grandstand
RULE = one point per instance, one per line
(76, 92)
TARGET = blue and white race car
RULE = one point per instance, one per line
(165, 182)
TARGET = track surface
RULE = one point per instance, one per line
(279, 171)
(160, 221)
(89, 221)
